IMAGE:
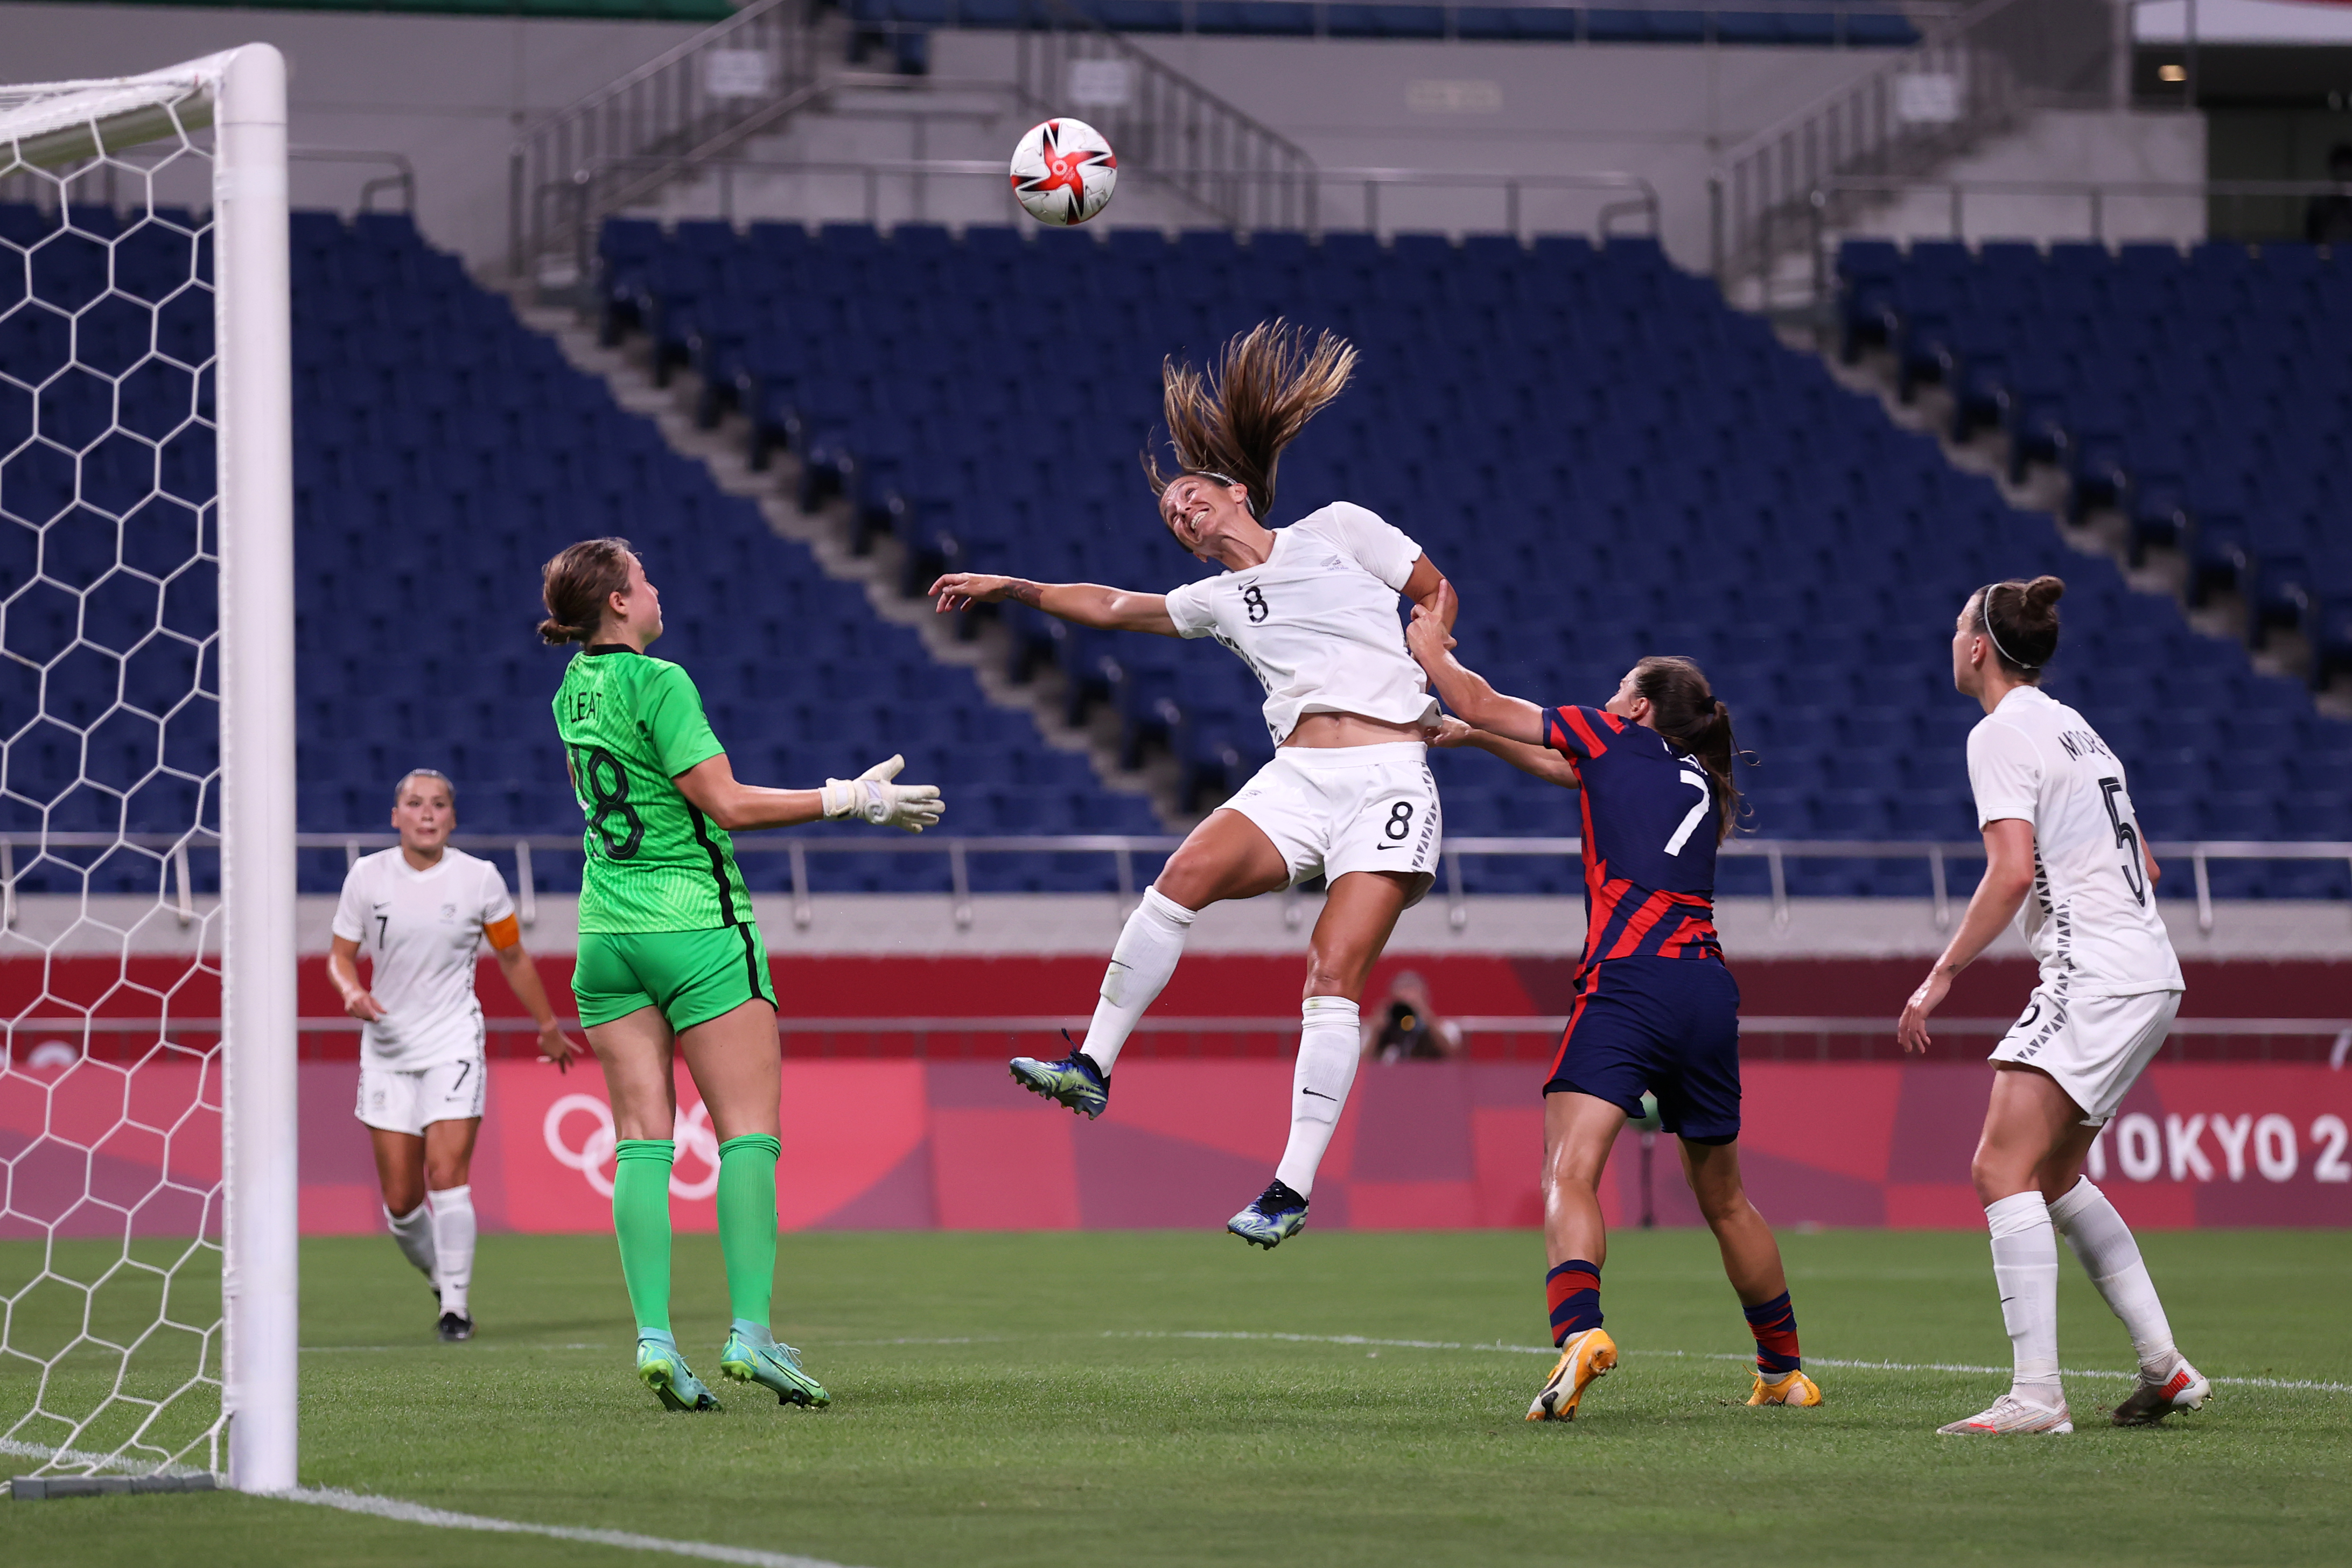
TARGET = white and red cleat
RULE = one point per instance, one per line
(2012, 1417)
(2185, 1389)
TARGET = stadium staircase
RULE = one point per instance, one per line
(1605, 458)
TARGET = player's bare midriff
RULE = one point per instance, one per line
(1324, 730)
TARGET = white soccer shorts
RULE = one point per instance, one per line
(1339, 809)
(2094, 1046)
(411, 1101)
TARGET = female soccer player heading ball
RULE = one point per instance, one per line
(670, 957)
(1313, 610)
(419, 912)
(1655, 1008)
(2061, 844)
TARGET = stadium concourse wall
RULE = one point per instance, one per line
(450, 93)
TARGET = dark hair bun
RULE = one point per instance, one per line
(2042, 593)
(554, 631)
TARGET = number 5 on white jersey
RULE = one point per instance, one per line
(1682, 834)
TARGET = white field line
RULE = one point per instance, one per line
(137, 1466)
(443, 1518)
(626, 1540)
(1499, 1347)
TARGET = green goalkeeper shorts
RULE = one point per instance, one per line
(693, 976)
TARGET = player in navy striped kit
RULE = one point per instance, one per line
(1655, 1007)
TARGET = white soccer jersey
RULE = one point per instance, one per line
(1316, 620)
(423, 928)
(2091, 919)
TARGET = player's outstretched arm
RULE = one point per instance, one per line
(2009, 877)
(1541, 761)
(1431, 640)
(1084, 603)
(711, 787)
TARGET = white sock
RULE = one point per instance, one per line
(1140, 963)
(1329, 1042)
(453, 1241)
(413, 1231)
(2103, 1242)
(2025, 1266)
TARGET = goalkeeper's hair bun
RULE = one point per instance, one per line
(577, 584)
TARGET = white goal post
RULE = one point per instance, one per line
(76, 145)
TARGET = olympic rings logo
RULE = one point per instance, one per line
(594, 1157)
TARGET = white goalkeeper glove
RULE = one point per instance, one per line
(871, 795)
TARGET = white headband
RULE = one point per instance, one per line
(1984, 613)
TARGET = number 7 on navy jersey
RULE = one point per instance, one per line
(1682, 833)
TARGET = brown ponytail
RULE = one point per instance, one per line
(1231, 423)
(578, 585)
(1683, 709)
(2020, 621)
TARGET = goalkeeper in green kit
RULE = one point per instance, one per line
(670, 956)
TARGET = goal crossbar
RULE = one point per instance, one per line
(53, 124)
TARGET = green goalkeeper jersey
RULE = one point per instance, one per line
(630, 725)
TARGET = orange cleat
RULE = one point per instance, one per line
(1792, 1388)
(1584, 1357)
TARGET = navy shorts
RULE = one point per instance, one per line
(1667, 1025)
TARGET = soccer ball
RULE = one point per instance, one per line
(1063, 172)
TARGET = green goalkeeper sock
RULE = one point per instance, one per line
(747, 1223)
(641, 1225)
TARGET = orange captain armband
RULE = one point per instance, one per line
(505, 933)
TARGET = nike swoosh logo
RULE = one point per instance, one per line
(1320, 1094)
(1388, 845)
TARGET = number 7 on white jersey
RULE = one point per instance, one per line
(1682, 834)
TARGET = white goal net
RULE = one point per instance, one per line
(146, 779)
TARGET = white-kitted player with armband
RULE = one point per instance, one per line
(1313, 610)
(2062, 845)
(419, 913)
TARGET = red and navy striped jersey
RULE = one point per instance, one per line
(1650, 821)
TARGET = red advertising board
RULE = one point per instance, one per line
(905, 1144)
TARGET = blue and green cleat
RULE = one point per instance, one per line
(663, 1370)
(754, 1355)
(1275, 1215)
(1072, 1081)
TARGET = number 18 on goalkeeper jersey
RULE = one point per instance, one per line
(630, 725)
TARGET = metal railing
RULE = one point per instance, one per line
(1327, 189)
(403, 177)
(1166, 128)
(1707, 13)
(172, 852)
(681, 109)
(1967, 79)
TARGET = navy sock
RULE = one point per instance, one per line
(1575, 1290)
(1774, 1324)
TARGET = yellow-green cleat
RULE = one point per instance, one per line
(754, 1355)
(663, 1370)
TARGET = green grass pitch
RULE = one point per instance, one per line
(1029, 1399)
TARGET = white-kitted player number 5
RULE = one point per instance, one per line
(1682, 834)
